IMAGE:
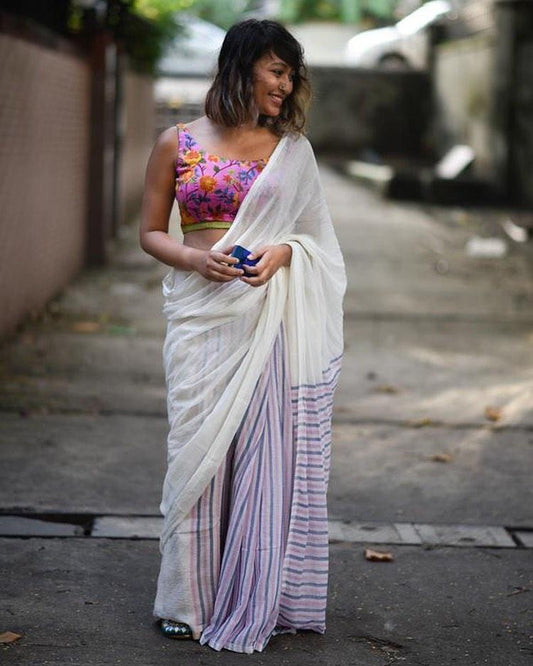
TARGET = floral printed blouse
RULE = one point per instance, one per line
(210, 188)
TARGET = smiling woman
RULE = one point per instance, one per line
(251, 356)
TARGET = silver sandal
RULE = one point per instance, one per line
(172, 629)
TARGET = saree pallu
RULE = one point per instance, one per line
(250, 379)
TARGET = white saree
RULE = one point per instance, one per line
(209, 385)
(219, 355)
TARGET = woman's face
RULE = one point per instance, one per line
(272, 83)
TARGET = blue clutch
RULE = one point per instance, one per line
(241, 253)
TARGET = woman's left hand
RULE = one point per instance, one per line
(271, 258)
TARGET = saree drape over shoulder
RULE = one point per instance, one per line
(250, 378)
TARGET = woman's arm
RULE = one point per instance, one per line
(156, 207)
(157, 204)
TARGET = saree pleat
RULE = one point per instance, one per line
(251, 559)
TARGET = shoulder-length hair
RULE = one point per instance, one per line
(229, 101)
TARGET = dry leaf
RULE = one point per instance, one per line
(9, 637)
(378, 556)
(441, 457)
(386, 388)
(421, 423)
(493, 413)
(86, 327)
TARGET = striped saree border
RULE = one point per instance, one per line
(257, 552)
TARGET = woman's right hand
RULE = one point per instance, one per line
(217, 265)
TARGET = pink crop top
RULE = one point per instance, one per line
(210, 188)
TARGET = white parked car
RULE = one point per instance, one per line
(404, 45)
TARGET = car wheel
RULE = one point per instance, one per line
(394, 61)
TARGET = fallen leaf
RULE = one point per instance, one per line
(86, 327)
(9, 637)
(493, 413)
(386, 388)
(441, 457)
(378, 556)
(519, 590)
(421, 423)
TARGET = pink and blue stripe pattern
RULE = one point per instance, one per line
(257, 540)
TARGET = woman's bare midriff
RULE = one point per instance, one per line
(204, 239)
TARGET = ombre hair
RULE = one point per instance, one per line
(229, 101)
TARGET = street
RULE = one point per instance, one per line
(432, 457)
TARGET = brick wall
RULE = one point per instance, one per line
(43, 160)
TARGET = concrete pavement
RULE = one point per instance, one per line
(432, 456)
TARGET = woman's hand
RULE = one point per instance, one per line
(271, 258)
(217, 265)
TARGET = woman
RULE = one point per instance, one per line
(251, 354)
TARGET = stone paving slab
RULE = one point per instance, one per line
(82, 464)
(120, 527)
(526, 538)
(465, 535)
(92, 372)
(149, 527)
(449, 372)
(363, 532)
(89, 601)
(21, 526)
(125, 294)
(382, 473)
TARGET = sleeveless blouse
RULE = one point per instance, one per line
(210, 188)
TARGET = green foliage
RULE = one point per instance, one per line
(160, 10)
(142, 27)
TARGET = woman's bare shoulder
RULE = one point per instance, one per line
(202, 123)
(168, 138)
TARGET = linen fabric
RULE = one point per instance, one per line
(227, 344)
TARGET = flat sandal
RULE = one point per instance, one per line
(173, 629)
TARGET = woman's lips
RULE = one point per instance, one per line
(277, 99)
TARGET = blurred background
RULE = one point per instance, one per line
(431, 101)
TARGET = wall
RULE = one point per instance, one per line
(137, 131)
(356, 110)
(44, 161)
(513, 98)
(463, 81)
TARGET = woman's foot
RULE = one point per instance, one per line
(172, 629)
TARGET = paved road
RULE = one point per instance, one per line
(432, 459)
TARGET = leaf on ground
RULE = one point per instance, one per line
(86, 327)
(421, 423)
(9, 637)
(519, 590)
(493, 413)
(441, 457)
(378, 555)
(386, 388)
